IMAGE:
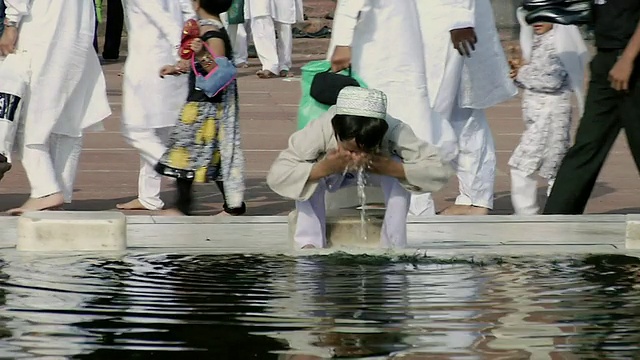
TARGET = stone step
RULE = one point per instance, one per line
(344, 228)
(72, 231)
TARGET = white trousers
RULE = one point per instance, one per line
(524, 192)
(239, 36)
(476, 161)
(275, 56)
(311, 224)
(151, 145)
(51, 168)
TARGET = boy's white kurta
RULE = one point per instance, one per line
(424, 168)
(152, 105)
(387, 53)
(461, 88)
(67, 90)
(66, 93)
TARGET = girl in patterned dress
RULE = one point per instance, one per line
(555, 59)
(205, 144)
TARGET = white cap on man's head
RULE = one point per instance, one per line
(358, 101)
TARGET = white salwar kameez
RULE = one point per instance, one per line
(239, 37)
(462, 88)
(268, 17)
(151, 105)
(387, 53)
(555, 66)
(66, 92)
(424, 168)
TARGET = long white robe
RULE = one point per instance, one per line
(282, 11)
(152, 105)
(461, 88)
(154, 32)
(387, 53)
(67, 91)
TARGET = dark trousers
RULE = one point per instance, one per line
(113, 31)
(184, 200)
(607, 111)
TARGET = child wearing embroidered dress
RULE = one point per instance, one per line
(205, 144)
(555, 58)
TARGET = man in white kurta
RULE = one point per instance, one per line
(381, 41)
(268, 17)
(461, 88)
(151, 105)
(66, 92)
(307, 169)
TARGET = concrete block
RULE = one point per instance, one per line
(343, 228)
(632, 240)
(348, 197)
(72, 231)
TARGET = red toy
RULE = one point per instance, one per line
(190, 32)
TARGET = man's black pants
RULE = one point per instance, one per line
(113, 31)
(607, 111)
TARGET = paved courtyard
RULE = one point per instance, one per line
(109, 167)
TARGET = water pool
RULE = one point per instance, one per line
(179, 306)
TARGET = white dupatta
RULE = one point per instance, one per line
(570, 49)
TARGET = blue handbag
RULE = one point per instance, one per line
(217, 79)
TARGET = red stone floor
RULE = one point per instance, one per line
(109, 167)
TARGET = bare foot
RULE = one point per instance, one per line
(242, 65)
(285, 73)
(169, 212)
(309, 246)
(222, 213)
(4, 167)
(131, 205)
(266, 74)
(465, 210)
(48, 202)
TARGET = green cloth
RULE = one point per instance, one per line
(98, 10)
(236, 12)
(309, 108)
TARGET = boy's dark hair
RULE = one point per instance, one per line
(215, 7)
(367, 132)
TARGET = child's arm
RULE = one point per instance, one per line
(621, 71)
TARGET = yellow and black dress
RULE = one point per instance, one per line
(205, 144)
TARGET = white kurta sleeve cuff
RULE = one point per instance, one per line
(345, 20)
(16, 9)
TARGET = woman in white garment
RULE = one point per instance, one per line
(462, 84)
(356, 132)
(151, 105)
(381, 40)
(66, 92)
(268, 17)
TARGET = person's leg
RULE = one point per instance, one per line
(629, 110)
(65, 153)
(46, 193)
(285, 48)
(596, 133)
(184, 198)
(241, 46)
(476, 162)
(264, 37)
(113, 31)
(524, 193)
(234, 211)
(397, 200)
(311, 225)
(151, 145)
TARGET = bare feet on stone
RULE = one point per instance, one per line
(50, 202)
(465, 210)
(4, 165)
(308, 246)
(132, 205)
(266, 74)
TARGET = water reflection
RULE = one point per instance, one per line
(246, 307)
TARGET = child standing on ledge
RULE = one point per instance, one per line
(354, 133)
(205, 144)
(555, 59)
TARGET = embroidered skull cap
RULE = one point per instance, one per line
(363, 102)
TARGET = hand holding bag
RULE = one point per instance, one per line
(326, 86)
(217, 79)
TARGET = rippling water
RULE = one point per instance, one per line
(248, 307)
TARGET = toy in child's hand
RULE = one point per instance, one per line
(190, 32)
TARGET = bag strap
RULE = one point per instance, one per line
(349, 69)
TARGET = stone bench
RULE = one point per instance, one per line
(343, 228)
(72, 231)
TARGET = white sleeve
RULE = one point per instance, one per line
(345, 20)
(17, 9)
(187, 10)
(457, 14)
(161, 19)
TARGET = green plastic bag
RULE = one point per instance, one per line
(309, 108)
(236, 12)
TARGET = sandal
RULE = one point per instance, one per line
(266, 74)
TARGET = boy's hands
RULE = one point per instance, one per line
(338, 160)
(8, 41)
(620, 74)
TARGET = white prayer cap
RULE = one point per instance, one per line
(357, 101)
